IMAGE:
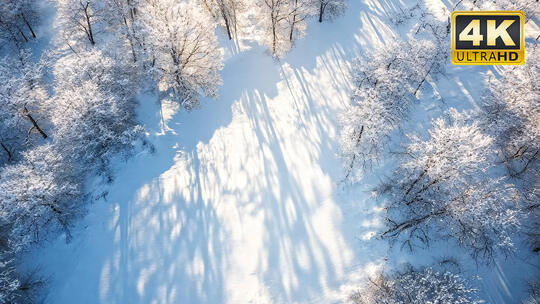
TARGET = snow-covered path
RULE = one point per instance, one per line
(239, 203)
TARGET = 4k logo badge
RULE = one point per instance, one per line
(487, 37)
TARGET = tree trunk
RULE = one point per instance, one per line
(235, 21)
(90, 33)
(292, 30)
(293, 20)
(351, 165)
(133, 50)
(10, 157)
(130, 39)
(273, 37)
(321, 11)
(29, 26)
(22, 34)
(52, 207)
(133, 13)
(209, 8)
(227, 25)
(292, 27)
(396, 228)
(35, 124)
(424, 79)
(529, 161)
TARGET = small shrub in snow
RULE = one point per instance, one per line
(416, 286)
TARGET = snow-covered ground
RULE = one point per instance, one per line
(241, 201)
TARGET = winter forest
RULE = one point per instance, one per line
(264, 151)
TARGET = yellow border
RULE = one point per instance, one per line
(508, 13)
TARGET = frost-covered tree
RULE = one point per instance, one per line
(14, 286)
(226, 13)
(9, 283)
(386, 83)
(22, 94)
(90, 117)
(512, 114)
(187, 55)
(122, 18)
(531, 8)
(18, 19)
(113, 74)
(79, 21)
(534, 293)
(329, 9)
(93, 110)
(274, 24)
(300, 11)
(92, 124)
(281, 23)
(36, 196)
(445, 187)
(416, 286)
(530, 213)
(52, 137)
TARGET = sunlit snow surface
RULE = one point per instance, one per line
(241, 201)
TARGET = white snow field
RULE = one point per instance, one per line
(241, 201)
